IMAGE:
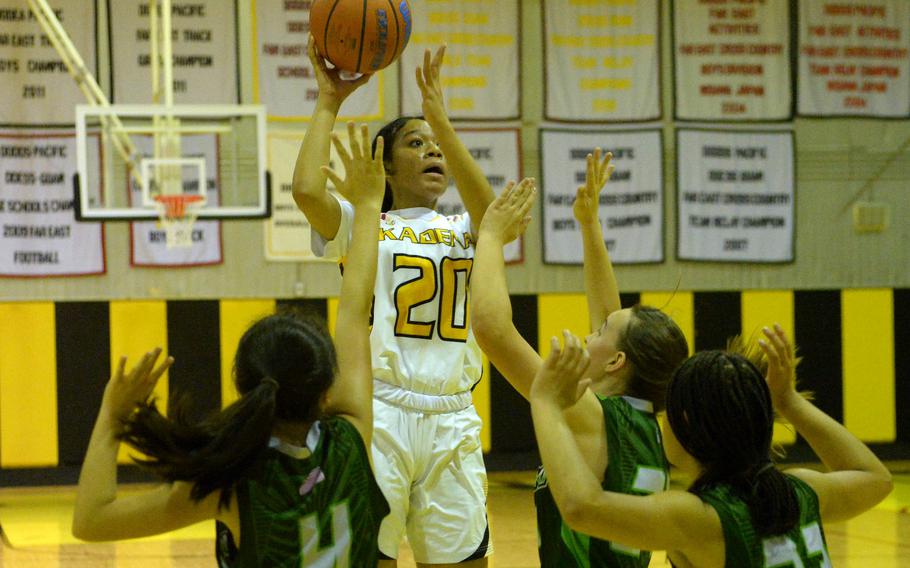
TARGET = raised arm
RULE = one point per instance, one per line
(600, 283)
(670, 520)
(857, 479)
(472, 184)
(491, 310)
(100, 514)
(308, 185)
(352, 393)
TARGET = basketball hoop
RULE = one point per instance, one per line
(177, 213)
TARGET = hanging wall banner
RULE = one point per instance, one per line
(480, 75)
(204, 51)
(283, 78)
(854, 58)
(147, 238)
(735, 196)
(498, 154)
(732, 60)
(602, 60)
(41, 236)
(36, 87)
(287, 231)
(631, 205)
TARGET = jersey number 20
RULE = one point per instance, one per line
(448, 283)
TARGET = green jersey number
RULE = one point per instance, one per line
(647, 480)
(781, 551)
(336, 556)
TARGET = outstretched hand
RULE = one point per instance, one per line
(364, 181)
(781, 364)
(434, 108)
(508, 215)
(560, 379)
(329, 80)
(587, 197)
(125, 390)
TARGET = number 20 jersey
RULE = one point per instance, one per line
(421, 338)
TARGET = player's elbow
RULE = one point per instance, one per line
(576, 513)
(84, 529)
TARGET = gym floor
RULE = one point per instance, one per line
(35, 524)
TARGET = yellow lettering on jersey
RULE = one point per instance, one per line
(408, 233)
(387, 234)
(428, 237)
(445, 236)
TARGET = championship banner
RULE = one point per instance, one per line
(480, 75)
(204, 45)
(602, 60)
(287, 231)
(631, 205)
(148, 246)
(284, 80)
(732, 60)
(36, 87)
(854, 58)
(735, 196)
(41, 236)
(498, 154)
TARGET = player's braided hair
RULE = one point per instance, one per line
(284, 365)
(655, 346)
(720, 410)
(388, 133)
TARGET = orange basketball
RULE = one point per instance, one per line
(360, 36)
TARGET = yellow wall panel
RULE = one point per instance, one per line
(236, 316)
(765, 308)
(136, 328)
(28, 385)
(331, 314)
(678, 305)
(556, 312)
(867, 325)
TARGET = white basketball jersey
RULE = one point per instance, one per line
(421, 338)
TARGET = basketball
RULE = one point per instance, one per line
(360, 36)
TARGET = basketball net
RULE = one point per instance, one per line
(177, 214)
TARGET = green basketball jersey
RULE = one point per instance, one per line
(301, 508)
(636, 465)
(802, 547)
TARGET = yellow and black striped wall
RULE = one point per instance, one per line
(55, 358)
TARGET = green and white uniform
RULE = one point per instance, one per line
(318, 505)
(803, 547)
(636, 465)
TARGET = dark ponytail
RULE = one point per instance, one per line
(720, 410)
(213, 453)
(283, 353)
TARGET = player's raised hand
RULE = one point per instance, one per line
(509, 214)
(781, 363)
(364, 181)
(329, 80)
(430, 85)
(561, 379)
(587, 197)
(127, 389)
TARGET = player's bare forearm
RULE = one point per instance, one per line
(472, 184)
(309, 182)
(601, 289)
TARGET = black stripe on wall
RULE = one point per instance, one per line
(629, 299)
(83, 368)
(308, 307)
(718, 317)
(902, 362)
(817, 323)
(511, 428)
(194, 341)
